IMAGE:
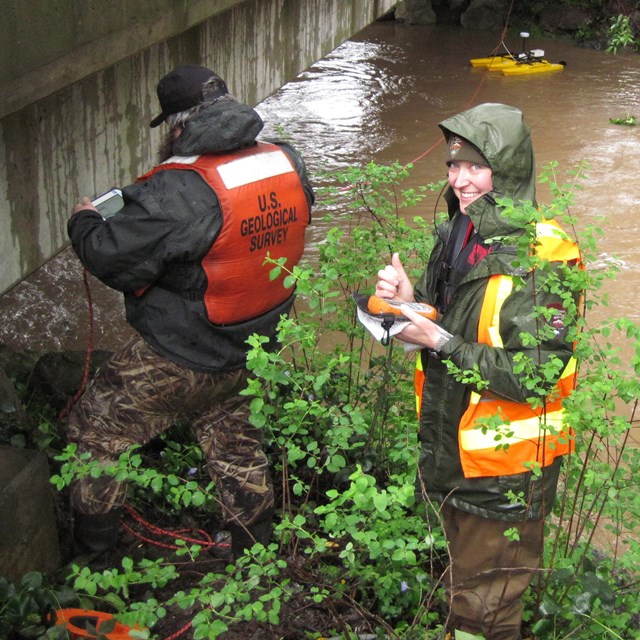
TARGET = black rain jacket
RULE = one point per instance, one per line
(157, 242)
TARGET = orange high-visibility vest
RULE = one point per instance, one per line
(526, 436)
(264, 211)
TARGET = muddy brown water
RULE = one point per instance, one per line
(379, 96)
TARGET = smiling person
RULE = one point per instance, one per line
(486, 304)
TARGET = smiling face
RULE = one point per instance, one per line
(469, 181)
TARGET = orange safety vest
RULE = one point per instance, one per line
(527, 435)
(265, 211)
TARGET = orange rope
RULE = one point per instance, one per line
(480, 84)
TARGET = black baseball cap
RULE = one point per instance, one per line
(181, 89)
(461, 150)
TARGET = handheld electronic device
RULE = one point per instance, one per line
(382, 305)
(108, 203)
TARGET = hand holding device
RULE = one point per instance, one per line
(108, 203)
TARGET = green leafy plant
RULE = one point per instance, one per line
(339, 422)
(111, 588)
(621, 35)
(254, 589)
(178, 492)
(629, 121)
(26, 607)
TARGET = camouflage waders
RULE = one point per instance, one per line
(136, 396)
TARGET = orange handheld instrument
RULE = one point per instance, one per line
(381, 305)
(84, 624)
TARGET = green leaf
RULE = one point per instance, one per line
(32, 580)
(198, 499)
(381, 501)
(274, 274)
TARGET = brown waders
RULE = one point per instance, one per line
(489, 572)
(136, 396)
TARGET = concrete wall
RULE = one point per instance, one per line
(77, 91)
(27, 514)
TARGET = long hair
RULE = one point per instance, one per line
(214, 90)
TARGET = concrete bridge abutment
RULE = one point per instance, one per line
(77, 91)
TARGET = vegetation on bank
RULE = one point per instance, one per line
(339, 419)
(611, 25)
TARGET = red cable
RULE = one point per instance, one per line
(179, 632)
(206, 543)
(85, 377)
(209, 543)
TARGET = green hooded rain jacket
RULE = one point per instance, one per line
(500, 134)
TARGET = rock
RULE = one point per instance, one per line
(485, 15)
(28, 527)
(449, 11)
(56, 377)
(11, 411)
(9, 401)
(18, 364)
(415, 12)
(566, 19)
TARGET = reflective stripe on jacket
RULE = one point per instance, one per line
(265, 212)
(526, 435)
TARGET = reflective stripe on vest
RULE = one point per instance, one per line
(524, 436)
(265, 211)
(554, 244)
(418, 382)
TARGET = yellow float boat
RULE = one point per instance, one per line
(511, 67)
(519, 64)
(527, 68)
(492, 62)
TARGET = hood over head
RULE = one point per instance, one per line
(501, 136)
(223, 126)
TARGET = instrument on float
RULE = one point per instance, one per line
(518, 64)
